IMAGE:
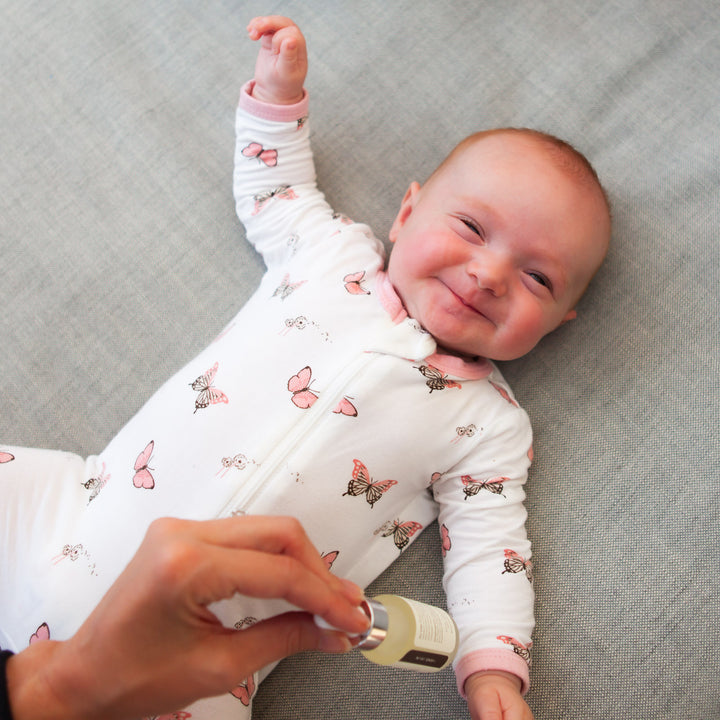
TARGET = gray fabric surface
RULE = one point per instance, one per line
(121, 257)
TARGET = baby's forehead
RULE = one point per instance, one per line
(518, 145)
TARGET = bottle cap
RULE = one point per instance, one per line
(379, 622)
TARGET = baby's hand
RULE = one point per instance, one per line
(282, 61)
(496, 696)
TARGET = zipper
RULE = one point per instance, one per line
(270, 466)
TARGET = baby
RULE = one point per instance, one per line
(359, 398)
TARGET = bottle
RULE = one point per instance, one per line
(406, 634)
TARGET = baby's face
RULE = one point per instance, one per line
(493, 252)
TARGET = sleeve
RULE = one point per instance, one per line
(487, 566)
(274, 180)
(5, 713)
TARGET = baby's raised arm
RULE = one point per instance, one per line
(282, 60)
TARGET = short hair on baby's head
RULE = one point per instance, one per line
(562, 153)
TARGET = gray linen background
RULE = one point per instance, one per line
(120, 257)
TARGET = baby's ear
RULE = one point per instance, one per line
(570, 316)
(406, 207)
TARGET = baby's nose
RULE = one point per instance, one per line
(490, 273)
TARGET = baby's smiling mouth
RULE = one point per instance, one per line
(472, 307)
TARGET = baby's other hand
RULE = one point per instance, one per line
(282, 60)
(496, 696)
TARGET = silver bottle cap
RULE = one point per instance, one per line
(379, 622)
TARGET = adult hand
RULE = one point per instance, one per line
(282, 62)
(152, 645)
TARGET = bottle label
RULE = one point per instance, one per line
(424, 659)
(435, 630)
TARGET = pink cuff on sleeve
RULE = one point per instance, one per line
(489, 660)
(274, 113)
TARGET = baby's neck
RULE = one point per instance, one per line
(457, 353)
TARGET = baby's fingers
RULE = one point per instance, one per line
(267, 25)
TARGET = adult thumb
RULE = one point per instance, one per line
(284, 635)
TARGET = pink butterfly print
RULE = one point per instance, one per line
(6, 457)
(504, 393)
(42, 633)
(286, 287)
(330, 558)
(283, 192)
(352, 283)
(515, 563)
(256, 150)
(401, 531)
(436, 380)
(299, 386)
(464, 431)
(301, 121)
(446, 542)
(345, 407)
(473, 486)
(361, 484)
(143, 477)
(207, 393)
(245, 690)
(522, 650)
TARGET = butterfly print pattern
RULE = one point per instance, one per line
(522, 650)
(96, 484)
(42, 633)
(283, 192)
(345, 407)
(256, 150)
(361, 484)
(472, 487)
(6, 457)
(435, 379)
(400, 531)
(352, 283)
(143, 478)
(245, 690)
(330, 558)
(208, 394)
(299, 386)
(516, 563)
(445, 537)
(286, 287)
